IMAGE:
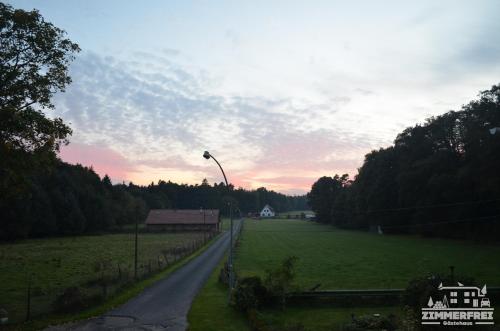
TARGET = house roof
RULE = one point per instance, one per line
(269, 207)
(183, 216)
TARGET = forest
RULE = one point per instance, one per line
(70, 199)
(440, 178)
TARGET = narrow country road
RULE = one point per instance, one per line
(164, 305)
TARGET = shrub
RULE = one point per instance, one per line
(250, 294)
(372, 322)
(278, 282)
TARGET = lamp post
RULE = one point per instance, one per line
(207, 156)
(204, 226)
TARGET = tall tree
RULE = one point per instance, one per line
(34, 59)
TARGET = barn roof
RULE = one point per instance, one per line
(182, 216)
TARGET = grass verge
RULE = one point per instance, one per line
(210, 310)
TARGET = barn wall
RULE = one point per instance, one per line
(181, 227)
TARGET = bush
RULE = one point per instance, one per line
(372, 322)
(278, 282)
(250, 294)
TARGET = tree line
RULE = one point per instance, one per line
(71, 199)
(440, 178)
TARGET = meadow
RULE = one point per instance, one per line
(341, 259)
(56, 264)
(337, 259)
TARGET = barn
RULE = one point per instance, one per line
(183, 220)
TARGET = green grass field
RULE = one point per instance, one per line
(58, 263)
(339, 259)
(336, 259)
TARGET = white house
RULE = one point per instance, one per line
(267, 211)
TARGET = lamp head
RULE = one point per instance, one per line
(206, 155)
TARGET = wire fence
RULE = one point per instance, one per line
(31, 295)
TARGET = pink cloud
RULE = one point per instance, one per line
(291, 162)
(104, 160)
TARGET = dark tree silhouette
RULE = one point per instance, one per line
(441, 178)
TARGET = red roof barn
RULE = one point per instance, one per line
(183, 220)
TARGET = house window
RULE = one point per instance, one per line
(466, 300)
(473, 294)
(453, 294)
(453, 300)
(466, 294)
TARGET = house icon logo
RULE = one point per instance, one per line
(459, 305)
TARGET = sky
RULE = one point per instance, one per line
(280, 92)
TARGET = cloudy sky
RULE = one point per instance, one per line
(281, 92)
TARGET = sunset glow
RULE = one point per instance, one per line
(281, 93)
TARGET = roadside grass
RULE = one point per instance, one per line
(58, 263)
(341, 259)
(210, 310)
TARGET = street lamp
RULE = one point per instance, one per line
(207, 156)
(204, 226)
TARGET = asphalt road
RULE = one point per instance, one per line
(164, 305)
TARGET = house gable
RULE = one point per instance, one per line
(267, 211)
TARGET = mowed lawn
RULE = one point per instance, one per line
(340, 259)
(58, 263)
